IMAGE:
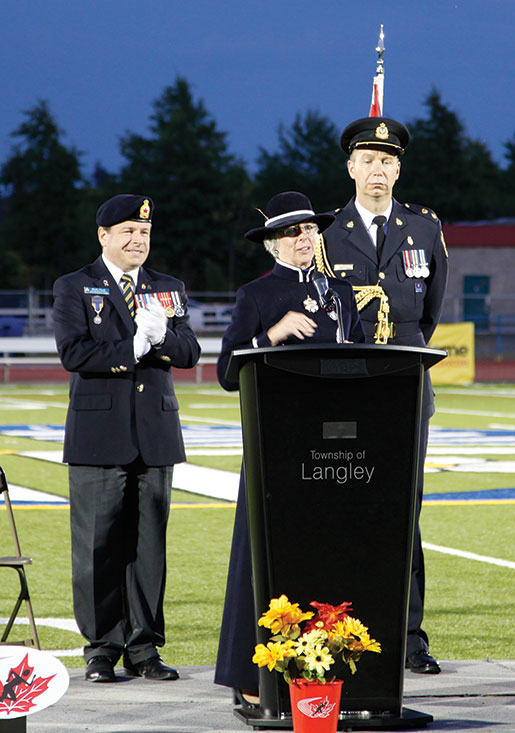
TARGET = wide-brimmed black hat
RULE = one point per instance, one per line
(286, 209)
(377, 133)
(125, 207)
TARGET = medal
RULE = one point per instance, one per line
(415, 263)
(97, 303)
(310, 305)
(176, 304)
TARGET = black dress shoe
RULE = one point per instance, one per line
(152, 668)
(422, 662)
(100, 669)
(240, 698)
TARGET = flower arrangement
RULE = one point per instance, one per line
(314, 647)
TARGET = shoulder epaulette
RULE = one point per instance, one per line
(422, 211)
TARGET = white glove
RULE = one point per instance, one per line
(141, 345)
(152, 322)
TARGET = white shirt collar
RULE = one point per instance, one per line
(367, 216)
(117, 273)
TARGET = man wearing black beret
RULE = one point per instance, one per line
(395, 257)
(120, 328)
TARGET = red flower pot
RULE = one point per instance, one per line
(315, 706)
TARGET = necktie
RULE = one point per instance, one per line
(127, 292)
(380, 221)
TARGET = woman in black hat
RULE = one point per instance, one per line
(286, 306)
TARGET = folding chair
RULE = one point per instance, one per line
(18, 563)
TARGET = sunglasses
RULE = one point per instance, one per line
(296, 229)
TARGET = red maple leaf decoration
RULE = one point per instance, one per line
(21, 688)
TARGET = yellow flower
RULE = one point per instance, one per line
(355, 636)
(318, 660)
(283, 617)
(272, 653)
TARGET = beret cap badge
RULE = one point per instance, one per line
(144, 212)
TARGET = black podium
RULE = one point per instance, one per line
(331, 437)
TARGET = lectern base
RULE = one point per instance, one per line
(408, 719)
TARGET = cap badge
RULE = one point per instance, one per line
(382, 132)
(144, 212)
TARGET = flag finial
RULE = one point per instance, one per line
(376, 105)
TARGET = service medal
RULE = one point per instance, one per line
(310, 305)
(166, 301)
(97, 303)
(176, 303)
(409, 263)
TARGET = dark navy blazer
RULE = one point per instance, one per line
(415, 302)
(263, 302)
(119, 409)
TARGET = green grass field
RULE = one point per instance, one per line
(470, 604)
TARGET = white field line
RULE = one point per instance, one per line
(477, 392)
(209, 420)
(469, 555)
(480, 413)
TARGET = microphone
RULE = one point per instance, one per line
(325, 294)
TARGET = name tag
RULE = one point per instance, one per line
(338, 268)
(96, 291)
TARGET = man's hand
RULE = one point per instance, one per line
(291, 324)
(151, 322)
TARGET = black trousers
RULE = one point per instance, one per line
(118, 527)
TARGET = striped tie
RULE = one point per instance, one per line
(128, 294)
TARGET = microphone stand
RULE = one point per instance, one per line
(334, 300)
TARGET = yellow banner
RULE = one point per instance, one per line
(458, 340)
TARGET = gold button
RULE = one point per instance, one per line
(140, 387)
(382, 275)
(343, 274)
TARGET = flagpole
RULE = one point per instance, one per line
(376, 105)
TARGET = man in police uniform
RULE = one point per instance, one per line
(395, 257)
(119, 338)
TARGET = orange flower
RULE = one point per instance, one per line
(327, 615)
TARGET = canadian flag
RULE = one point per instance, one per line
(376, 106)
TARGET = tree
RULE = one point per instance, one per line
(196, 184)
(508, 175)
(446, 170)
(39, 234)
(309, 160)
